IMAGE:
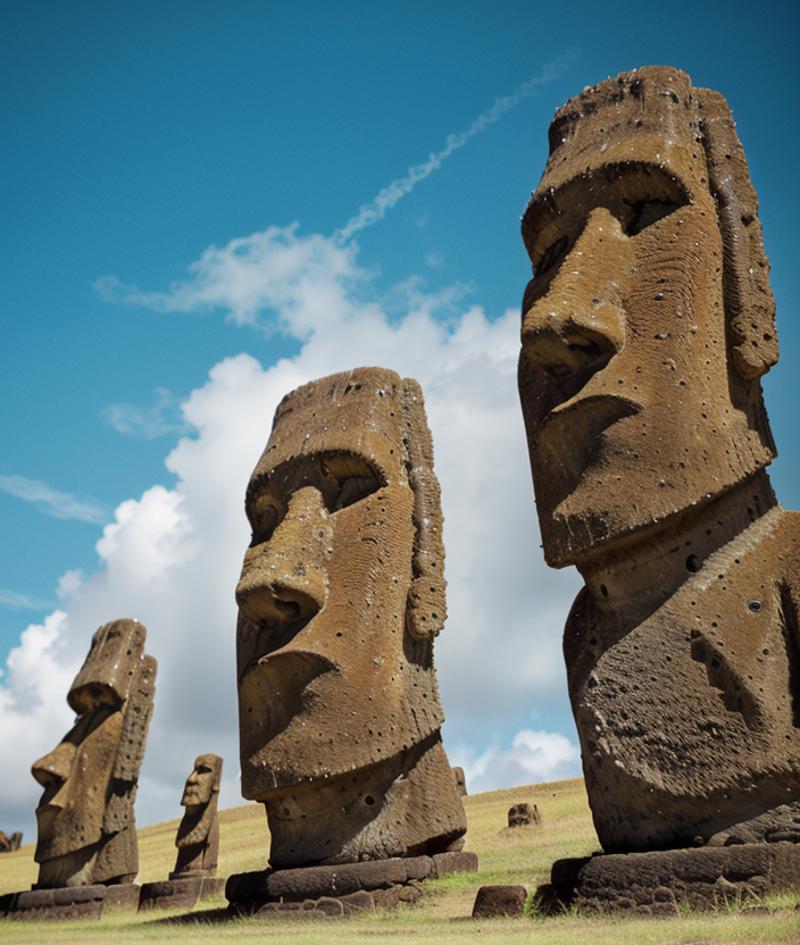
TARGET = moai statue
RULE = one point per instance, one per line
(645, 331)
(524, 815)
(341, 595)
(461, 780)
(10, 844)
(87, 831)
(198, 833)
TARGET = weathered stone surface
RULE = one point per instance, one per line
(10, 842)
(171, 894)
(72, 902)
(87, 829)
(523, 815)
(645, 330)
(494, 901)
(365, 885)
(460, 861)
(657, 882)
(197, 839)
(461, 781)
(341, 594)
(122, 896)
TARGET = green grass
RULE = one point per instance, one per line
(522, 856)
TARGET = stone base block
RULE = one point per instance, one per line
(656, 883)
(342, 888)
(71, 902)
(494, 901)
(180, 893)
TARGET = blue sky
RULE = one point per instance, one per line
(139, 135)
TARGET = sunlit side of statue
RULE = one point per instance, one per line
(340, 598)
(198, 833)
(645, 331)
(86, 824)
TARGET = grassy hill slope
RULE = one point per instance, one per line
(521, 856)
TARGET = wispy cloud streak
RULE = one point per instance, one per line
(52, 501)
(388, 196)
(147, 423)
(17, 601)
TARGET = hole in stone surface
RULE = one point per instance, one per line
(693, 564)
(754, 606)
(369, 799)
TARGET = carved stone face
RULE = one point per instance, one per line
(633, 408)
(328, 670)
(203, 782)
(73, 814)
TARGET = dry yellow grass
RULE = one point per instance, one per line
(520, 856)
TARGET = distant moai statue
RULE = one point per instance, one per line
(197, 839)
(9, 844)
(461, 780)
(645, 331)
(86, 824)
(524, 815)
(341, 595)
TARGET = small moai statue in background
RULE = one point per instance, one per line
(461, 781)
(341, 595)
(646, 329)
(524, 815)
(86, 823)
(197, 839)
(8, 844)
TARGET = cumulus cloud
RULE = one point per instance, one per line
(52, 501)
(161, 419)
(532, 756)
(171, 557)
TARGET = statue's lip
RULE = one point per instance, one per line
(267, 661)
(48, 809)
(604, 409)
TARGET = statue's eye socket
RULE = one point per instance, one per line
(353, 479)
(265, 513)
(644, 213)
(552, 255)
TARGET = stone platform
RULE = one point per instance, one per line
(71, 902)
(340, 889)
(655, 883)
(180, 893)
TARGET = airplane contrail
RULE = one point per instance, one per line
(386, 198)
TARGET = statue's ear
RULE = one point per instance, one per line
(749, 303)
(138, 710)
(426, 609)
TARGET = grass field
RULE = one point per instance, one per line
(522, 856)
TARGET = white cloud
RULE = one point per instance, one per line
(52, 501)
(171, 557)
(147, 422)
(533, 756)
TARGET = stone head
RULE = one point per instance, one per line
(649, 320)
(89, 778)
(342, 587)
(204, 781)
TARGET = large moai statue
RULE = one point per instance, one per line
(341, 595)
(198, 833)
(87, 830)
(645, 332)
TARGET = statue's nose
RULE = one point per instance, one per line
(285, 577)
(54, 768)
(573, 321)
